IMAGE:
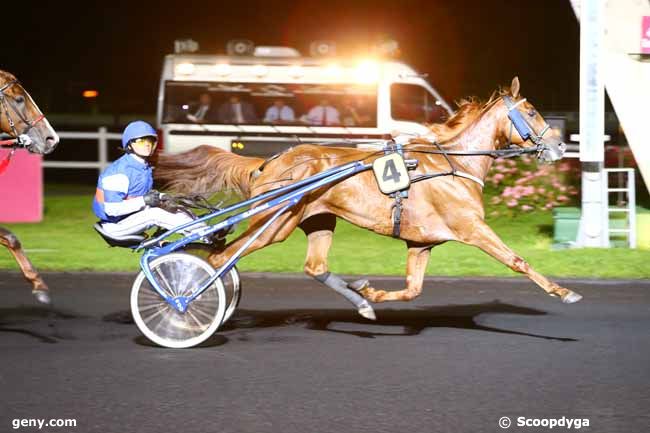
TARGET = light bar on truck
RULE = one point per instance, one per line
(296, 71)
(260, 70)
(185, 68)
(222, 69)
(367, 72)
(263, 51)
(334, 70)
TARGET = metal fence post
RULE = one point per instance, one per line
(631, 202)
(103, 148)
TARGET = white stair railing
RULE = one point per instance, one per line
(630, 209)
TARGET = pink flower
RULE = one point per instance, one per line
(541, 190)
(528, 190)
(495, 200)
(526, 208)
(497, 177)
(523, 180)
(562, 198)
(512, 203)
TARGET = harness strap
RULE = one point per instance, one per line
(469, 176)
(396, 208)
(396, 215)
(447, 173)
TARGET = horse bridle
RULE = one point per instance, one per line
(5, 103)
(523, 127)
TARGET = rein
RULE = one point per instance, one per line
(192, 201)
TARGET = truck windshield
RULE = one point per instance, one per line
(267, 103)
(414, 103)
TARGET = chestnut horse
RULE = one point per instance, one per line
(21, 118)
(440, 209)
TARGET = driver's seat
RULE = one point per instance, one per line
(128, 241)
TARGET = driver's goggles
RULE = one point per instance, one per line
(144, 140)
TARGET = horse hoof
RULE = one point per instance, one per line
(367, 312)
(359, 285)
(571, 297)
(42, 297)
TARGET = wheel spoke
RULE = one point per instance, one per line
(167, 288)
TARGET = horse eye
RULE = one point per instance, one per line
(531, 113)
(20, 99)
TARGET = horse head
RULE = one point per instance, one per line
(21, 117)
(523, 126)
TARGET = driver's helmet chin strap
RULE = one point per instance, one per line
(134, 154)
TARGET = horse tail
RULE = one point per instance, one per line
(205, 170)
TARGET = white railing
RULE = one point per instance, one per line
(102, 136)
(629, 208)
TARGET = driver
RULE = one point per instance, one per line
(124, 200)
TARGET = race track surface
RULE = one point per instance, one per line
(297, 358)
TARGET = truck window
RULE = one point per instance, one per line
(268, 103)
(414, 103)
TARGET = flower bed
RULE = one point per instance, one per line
(521, 185)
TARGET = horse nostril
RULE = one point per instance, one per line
(51, 143)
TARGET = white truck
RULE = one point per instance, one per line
(225, 101)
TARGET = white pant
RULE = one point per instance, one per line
(147, 218)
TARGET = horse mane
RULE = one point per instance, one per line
(6, 76)
(469, 111)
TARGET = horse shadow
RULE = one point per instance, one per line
(38, 322)
(20, 320)
(412, 322)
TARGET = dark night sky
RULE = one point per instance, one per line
(466, 47)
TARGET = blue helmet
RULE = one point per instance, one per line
(137, 129)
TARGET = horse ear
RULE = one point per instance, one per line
(514, 87)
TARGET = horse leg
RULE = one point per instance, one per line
(39, 288)
(484, 238)
(416, 265)
(319, 230)
(276, 232)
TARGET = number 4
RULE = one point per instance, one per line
(391, 172)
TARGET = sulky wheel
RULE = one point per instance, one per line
(178, 274)
(232, 285)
